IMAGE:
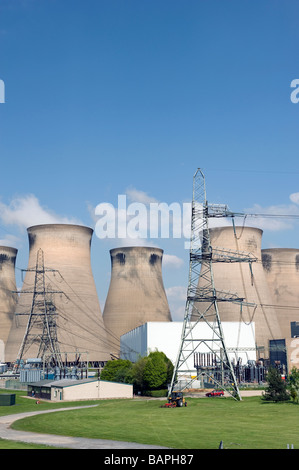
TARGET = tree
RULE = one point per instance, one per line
(137, 374)
(155, 371)
(118, 370)
(277, 388)
(293, 384)
(151, 372)
(169, 366)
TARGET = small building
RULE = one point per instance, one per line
(75, 390)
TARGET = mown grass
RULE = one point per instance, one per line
(249, 424)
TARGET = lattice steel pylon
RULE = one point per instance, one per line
(202, 257)
(41, 326)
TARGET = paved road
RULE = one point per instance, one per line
(61, 441)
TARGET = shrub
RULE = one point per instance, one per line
(293, 384)
(118, 370)
(155, 371)
(277, 388)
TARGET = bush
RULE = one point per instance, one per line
(293, 384)
(137, 375)
(149, 373)
(155, 371)
(118, 370)
(277, 388)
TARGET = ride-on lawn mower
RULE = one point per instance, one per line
(176, 399)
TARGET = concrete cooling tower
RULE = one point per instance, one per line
(136, 293)
(247, 282)
(80, 327)
(8, 295)
(281, 267)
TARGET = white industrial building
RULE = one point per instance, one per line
(166, 337)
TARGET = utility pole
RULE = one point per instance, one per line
(202, 302)
(41, 326)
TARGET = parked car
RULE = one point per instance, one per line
(215, 393)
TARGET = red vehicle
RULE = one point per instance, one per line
(215, 393)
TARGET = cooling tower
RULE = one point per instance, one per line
(8, 295)
(136, 293)
(245, 281)
(80, 327)
(281, 267)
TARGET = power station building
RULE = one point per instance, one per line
(136, 293)
(166, 336)
(70, 286)
(136, 316)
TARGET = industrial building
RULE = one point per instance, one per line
(165, 337)
(136, 293)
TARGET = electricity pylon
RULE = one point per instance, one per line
(202, 302)
(41, 326)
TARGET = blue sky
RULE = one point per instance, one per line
(110, 97)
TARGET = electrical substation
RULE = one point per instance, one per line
(241, 314)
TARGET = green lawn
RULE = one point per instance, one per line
(249, 424)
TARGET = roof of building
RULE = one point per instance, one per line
(61, 383)
(68, 382)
